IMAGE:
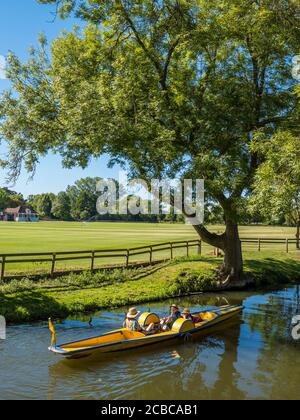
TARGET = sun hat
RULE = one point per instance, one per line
(186, 311)
(174, 306)
(132, 313)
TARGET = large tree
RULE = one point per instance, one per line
(172, 87)
(61, 206)
(277, 189)
(10, 198)
(82, 198)
(42, 203)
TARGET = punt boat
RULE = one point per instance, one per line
(124, 340)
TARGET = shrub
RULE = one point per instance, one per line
(192, 281)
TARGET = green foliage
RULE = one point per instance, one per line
(277, 189)
(10, 199)
(4, 199)
(168, 87)
(193, 281)
(61, 206)
(154, 83)
(42, 203)
(69, 282)
(83, 198)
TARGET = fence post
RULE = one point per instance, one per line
(187, 249)
(151, 254)
(287, 246)
(171, 248)
(199, 247)
(53, 264)
(92, 261)
(2, 268)
(127, 258)
(259, 245)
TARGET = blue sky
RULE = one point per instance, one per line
(20, 23)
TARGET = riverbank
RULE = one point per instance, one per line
(27, 300)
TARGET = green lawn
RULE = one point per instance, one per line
(61, 236)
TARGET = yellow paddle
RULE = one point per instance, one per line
(52, 329)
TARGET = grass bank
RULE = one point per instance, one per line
(28, 300)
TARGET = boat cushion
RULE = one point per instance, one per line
(148, 318)
(183, 325)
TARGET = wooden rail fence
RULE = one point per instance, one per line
(93, 255)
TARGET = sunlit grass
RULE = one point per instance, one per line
(69, 236)
(29, 300)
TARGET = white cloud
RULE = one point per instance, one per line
(2, 67)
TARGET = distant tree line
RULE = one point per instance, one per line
(78, 203)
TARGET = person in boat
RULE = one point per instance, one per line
(167, 323)
(186, 314)
(131, 323)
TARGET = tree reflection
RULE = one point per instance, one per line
(278, 372)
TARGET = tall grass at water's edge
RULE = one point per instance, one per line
(28, 300)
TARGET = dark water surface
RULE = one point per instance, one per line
(253, 357)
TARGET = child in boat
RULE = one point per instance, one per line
(131, 323)
(167, 323)
(186, 314)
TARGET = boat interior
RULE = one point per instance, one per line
(181, 325)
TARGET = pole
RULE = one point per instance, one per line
(92, 261)
(199, 247)
(53, 264)
(2, 268)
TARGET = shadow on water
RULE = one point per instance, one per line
(35, 304)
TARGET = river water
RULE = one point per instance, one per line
(253, 357)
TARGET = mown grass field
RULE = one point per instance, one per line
(61, 236)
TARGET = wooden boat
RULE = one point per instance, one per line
(123, 340)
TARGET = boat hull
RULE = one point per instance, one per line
(123, 340)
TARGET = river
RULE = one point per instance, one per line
(254, 357)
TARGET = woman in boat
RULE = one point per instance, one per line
(186, 314)
(131, 323)
(167, 323)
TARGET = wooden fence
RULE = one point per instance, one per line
(287, 243)
(127, 254)
(93, 255)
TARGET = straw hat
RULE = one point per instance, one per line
(186, 311)
(174, 306)
(132, 313)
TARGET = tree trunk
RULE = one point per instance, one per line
(233, 260)
(298, 234)
(229, 242)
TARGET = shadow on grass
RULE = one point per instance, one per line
(30, 306)
(270, 271)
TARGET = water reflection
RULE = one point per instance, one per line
(252, 357)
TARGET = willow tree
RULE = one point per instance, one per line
(170, 87)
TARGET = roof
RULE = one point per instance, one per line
(20, 209)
